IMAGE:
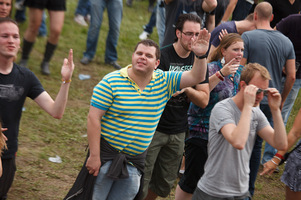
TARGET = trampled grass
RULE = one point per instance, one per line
(42, 137)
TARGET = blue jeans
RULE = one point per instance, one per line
(83, 7)
(256, 153)
(241, 10)
(152, 22)
(290, 100)
(160, 21)
(108, 189)
(114, 8)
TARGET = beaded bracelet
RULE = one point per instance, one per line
(66, 81)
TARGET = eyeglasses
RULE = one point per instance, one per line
(191, 34)
(265, 92)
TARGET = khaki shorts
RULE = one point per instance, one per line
(162, 163)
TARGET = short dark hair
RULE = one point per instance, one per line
(7, 19)
(184, 18)
(150, 43)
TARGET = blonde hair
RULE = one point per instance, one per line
(250, 69)
(227, 41)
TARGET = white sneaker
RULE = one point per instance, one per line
(80, 20)
(143, 35)
(88, 18)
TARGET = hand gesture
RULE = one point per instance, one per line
(68, 67)
(250, 95)
(4, 137)
(268, 168)
(230, 68)
(274, 98)
(201, 43)
(222, 34)
(93, 165)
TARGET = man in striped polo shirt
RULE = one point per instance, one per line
(125, 109)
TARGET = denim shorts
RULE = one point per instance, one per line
(56, 5)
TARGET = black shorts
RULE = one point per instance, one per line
(56, 5)
(6, 180)
(195, 159)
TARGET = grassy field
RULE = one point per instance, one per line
(42, 137)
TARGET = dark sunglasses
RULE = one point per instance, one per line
(265, 92)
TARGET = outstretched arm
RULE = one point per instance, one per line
(198, 72)
(293, 136)
(57, 107)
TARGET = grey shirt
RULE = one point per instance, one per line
(271, 49)
(227, 168)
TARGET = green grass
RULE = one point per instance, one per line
(42, 137)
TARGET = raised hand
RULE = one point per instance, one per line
(222, 34)
(201, 43)
(250, 95)
(274, 98)
(68, 67)
(230, 68)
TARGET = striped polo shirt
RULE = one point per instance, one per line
(132, 115)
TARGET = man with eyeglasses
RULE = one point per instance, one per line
(234, 124)
(174, 8)
(166, 149)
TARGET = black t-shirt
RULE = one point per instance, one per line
(174, 117)
(14, 88)
(283, 8)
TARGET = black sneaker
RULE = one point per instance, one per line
(114, 64)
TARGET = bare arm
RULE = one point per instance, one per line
(209, 5)
(238, 135)
(275, 137)
(198, 96)
(57, 107)
(290, 71)
(229, 10)
(230, 68)
(210, 22)
(94, 131)
(198, 72)
(293, 136)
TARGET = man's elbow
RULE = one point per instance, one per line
(211, 5)
(283, 147)
(57, 116)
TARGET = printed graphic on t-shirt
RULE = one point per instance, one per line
(11, 92)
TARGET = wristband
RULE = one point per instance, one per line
(66, 81)
(201, 57)
(274, 162)
(279, 156)
(220, 71)
(219, 76)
